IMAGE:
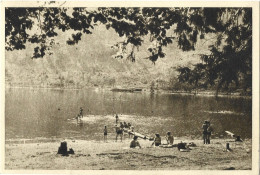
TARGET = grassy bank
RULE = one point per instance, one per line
(97, 155)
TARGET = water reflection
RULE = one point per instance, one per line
(31, 113)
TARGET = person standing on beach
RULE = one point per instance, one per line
(81, 112)
(119, 132)
(131, 131)
(204, 132)
(105, 134)
(77, 118)
(117, 119)
(121, 125)
(209, 132)
(129, 125)
(125, 125)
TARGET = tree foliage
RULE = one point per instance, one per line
(230, 59)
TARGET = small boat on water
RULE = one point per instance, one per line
(126, 90)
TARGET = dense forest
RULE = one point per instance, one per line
(213, 44)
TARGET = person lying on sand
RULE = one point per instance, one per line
(134, 143)
(184, 147)
(157, 140)
(169, 138)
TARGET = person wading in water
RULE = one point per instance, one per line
(105, 134)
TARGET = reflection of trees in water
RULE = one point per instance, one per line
(183, 115)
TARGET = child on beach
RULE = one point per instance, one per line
(105, 134)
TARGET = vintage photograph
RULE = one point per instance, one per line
(128, 88)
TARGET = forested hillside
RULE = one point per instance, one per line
(92, 62)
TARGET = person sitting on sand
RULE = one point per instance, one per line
(204, 133)
(134, 143)
(157, 140)
(119, 132)
(169, 138)
(105, 134)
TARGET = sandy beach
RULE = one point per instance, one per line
(97, 155)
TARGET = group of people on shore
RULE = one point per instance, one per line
(120, 127)
(156, 142)
(207, 131)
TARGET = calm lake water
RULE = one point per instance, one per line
(44, 113)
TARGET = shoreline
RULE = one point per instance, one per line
(99, 155)
(206, 93)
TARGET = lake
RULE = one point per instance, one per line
(44, 113)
